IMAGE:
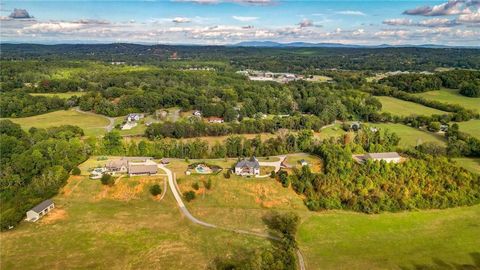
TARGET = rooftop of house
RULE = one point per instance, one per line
(42, 206)
(134, 168)
(250, 163)
(383, 155)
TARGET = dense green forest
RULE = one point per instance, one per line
(273, 59)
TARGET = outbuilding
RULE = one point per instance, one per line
(387, 157)
(40, 210)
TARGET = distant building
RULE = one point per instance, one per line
(248, 167)
(215, 120)
(393, 157)
(40, 210)
(303, 162)
(132, 166)
(197, 113)
(135, 116)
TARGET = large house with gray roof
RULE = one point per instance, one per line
(132, 166)
(248, 167)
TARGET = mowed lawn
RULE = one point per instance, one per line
(406, 108)
(92, 125)
(123, 227)
(409, 136)
(452, 96)
(65, 95)
(345, 240)
(471, 127)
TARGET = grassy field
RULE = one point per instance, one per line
(406, 108)
(471, 127)
(123, 227)
(410, 136)
(471, 164)
(343, 240)
(65, 95)
(314, 162)
(453, 97)
(92, 125)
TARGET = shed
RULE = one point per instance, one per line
(387, 156)
(40, 210)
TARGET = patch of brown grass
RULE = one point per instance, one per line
(53, 216)
(73, 180)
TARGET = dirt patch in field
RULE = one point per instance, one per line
(263, 197)
(126, 189)
(53, 216)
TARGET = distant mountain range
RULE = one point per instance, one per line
(272, 44)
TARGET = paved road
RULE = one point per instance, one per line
(111, 120)
(174, 188)
(276, 164)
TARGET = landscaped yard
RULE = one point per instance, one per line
(471, 127)
(406, 108)
(92, 125)
(453, 97)
(65, 95)
(410, 136)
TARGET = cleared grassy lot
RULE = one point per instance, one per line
(406, 108)
(343, 240)
(65, 95)
(92, 125)
(410, 136)
(453, 97)
(123, 227)
(471, 164)
(471, 127)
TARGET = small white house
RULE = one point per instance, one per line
(135, 116)
(40, 210)
(217, 120)
(303, 162)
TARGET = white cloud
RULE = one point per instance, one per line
(245, 19)
(453, 7)
(351, 12)
(305, 23)
(401, 21)
(181, 20)
(470, 18)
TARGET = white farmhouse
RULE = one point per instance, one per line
(40, 210)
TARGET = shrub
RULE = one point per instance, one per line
(155, 190)
(208, 184)
(272, 174)
(227, 174)
(76, 171)
(189, 195)
(107, 180)
(195, 186)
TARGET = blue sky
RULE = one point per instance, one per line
(454, 22)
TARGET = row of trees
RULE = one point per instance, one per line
(467, 80)
(19, 104)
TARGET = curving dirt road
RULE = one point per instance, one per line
(175, 190)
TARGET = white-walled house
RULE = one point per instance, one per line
(40, 210)
(248, 167)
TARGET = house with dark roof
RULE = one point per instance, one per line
(247, 167)
(132, 166)
(40, 210)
